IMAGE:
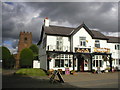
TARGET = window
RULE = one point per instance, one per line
(82, 41)
(100, 63)
(63, 61)
(66, 62)
(119, 61)
(97, 62)
(86, 63)
(70, 63)
(97, 43)
(25, 39)
(117, 47)
(59, 43)
(94, 63)
(57, 63)
(116, 61)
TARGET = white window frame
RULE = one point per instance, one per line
(64, 57)
(82, 41)
(59, 39)
(98, 58)
(97, 42)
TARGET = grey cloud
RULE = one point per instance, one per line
(76, 13)
(20, 16)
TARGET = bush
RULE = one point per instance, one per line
(8, 60)
(35, 51)
(26, 58)
(31, 72)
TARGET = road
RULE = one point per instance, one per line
(89, 80)
(80, 80)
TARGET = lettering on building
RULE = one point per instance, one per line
(102, 50)
(82, 50)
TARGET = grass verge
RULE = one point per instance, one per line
(31, 72)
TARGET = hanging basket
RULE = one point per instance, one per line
(49, 58)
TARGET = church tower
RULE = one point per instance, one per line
(25, 41)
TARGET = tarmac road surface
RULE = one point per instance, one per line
(80, 80)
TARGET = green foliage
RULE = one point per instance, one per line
(35, 50)
(5, 57)
(12, 61)
(5, 53)
(31, 72)
(26, 57)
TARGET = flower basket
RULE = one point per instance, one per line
(93, 71)
(72, 72)
(107, 69)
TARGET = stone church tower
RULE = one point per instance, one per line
(25, 41)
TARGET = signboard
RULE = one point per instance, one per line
(52, 78)
(102, 50)
(67, 71)
(83, 50)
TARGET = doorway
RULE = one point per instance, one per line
(80, 65)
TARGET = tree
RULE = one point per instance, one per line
(35, 50)
(26, 58)
(12, 61)
(5, 57)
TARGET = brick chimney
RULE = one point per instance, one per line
(46, 22)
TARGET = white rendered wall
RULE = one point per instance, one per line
(51, 42)
(115, 54)
(82, 33)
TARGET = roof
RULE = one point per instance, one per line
(98, 35)
(58, 30)
(112, 39)
(66, 31)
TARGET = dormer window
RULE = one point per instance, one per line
(97, 43)
(83, 41)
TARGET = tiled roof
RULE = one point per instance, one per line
(67, 31)
(98, 35)
(58, 30)
(112, 39)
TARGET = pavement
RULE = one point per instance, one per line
(79, 80)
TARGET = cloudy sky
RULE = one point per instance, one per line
(29, 16)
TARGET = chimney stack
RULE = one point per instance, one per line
(46, 22)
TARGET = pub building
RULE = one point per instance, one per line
(79, 49)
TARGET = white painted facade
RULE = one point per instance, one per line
(76, 41)
(115, 54)
(51, 43)
(69, 44)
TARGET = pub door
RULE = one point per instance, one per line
(80, 65)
